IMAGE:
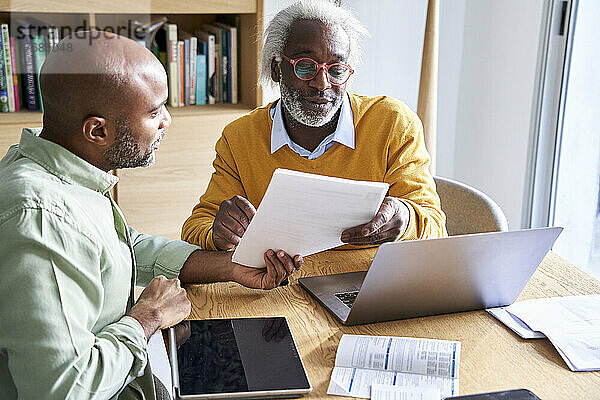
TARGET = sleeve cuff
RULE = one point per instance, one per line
(210, 244)
(411, 229)
(171, 258)
(130, 332)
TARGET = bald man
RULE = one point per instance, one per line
(68, 260)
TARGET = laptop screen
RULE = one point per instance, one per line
(239, 355)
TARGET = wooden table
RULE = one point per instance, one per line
(492, 357)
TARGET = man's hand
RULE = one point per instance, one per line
(231, 222)
(162, 304)
(387, 225)
(279, 266)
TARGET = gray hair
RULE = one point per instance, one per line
(277, 31)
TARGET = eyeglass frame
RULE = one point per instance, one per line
(323, 66)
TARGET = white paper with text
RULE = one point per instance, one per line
(571, 323)
(306, 213)
(396, 361)
(386, 392)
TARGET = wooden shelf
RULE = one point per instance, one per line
(21, 117)
(35, 117)
(131, 6)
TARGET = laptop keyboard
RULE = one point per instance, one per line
(347, 297)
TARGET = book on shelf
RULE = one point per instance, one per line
(186, 69)
(172, 64)
(8, 70)
(29, 71)
(211, 62)
(221, 60)
(15, 78)
(234, 21)
(193, 56)
(201, 76)
(202, 67)
(181, 72)
(39, 56)
(232, 64)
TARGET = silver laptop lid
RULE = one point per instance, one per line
(458, 273)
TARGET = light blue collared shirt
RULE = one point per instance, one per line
(344, 132)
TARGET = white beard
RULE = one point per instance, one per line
(293, 105)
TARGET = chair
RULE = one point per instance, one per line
(467, 209)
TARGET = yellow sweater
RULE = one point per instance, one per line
(389, 148)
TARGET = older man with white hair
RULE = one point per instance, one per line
(311, 49)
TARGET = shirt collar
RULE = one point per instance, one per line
(343, 134)
(62, 163)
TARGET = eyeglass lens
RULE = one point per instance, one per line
(307, 69)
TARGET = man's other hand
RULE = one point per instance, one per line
(387, 225)
(231, 222)
(279, 266)
(162, 304)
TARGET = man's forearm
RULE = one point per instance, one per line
(207, 266)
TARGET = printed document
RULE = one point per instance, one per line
(362, 361)
(571, 323)
(386, 392)
(305, 213)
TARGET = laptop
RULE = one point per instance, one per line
(435, 276)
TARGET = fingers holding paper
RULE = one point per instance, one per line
(387, 225)
(279, 265)
(231, 222)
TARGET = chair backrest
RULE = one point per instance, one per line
(467, 209)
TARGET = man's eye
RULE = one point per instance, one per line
(154, 114)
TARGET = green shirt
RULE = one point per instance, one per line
(68, 263)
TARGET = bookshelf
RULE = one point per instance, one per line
(158, 199)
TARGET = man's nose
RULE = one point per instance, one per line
(166, 119)
(320, 81)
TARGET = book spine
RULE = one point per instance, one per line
(13, 62)
(210, 68)
(3, 91)
(193, 56)
(173, 69)
(186, 68)
(234, 66)
(201, 79)
(29, 70)
(224, 66)
(39, 51)
(181, 81)
(10, 91)
(229, 59)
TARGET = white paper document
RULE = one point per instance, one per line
(386, 392)
(305, 213)
(515, 324)
(362, 361)
(571, 323)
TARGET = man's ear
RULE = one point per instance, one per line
(95, 131)
(275, 70)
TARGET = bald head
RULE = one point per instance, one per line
(94, 73)
(104, 99)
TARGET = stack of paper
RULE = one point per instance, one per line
(385, 367)
(571, 323)
(305, 213)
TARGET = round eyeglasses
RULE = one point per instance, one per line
(306, 69)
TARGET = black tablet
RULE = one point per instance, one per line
(236, 358)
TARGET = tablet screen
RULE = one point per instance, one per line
(239, 355)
